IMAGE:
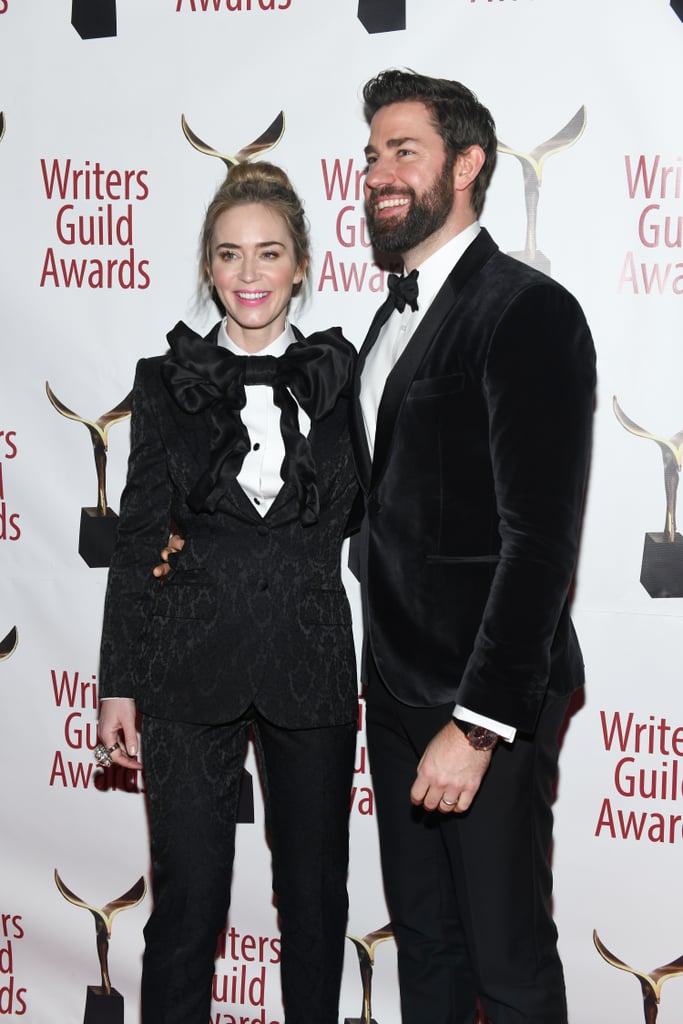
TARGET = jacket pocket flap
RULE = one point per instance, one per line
(433, 387)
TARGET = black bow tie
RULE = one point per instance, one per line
(205, 377)
(404, 290)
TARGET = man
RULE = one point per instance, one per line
(471, 430)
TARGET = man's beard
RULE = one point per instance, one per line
(425, 215)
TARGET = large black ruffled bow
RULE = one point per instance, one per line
(404, 290)
(202, 376)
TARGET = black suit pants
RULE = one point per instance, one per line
(469, 894)
(193, 775)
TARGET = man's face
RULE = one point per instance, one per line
(409, 193)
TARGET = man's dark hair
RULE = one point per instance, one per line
(458, 116)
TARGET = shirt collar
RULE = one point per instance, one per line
(278, 347)
(436, 268)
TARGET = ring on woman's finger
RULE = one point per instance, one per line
(448, 803)
(103, 756)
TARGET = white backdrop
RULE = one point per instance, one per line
(92, 130)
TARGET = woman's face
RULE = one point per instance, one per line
(253, 267)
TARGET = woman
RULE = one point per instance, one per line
(240, 439)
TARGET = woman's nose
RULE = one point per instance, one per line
(248, 270)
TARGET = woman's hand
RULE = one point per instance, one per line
(175, 545)
(117, 732)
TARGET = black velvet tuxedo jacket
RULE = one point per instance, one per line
(474, 495)
(255, 611)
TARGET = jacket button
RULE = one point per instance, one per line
(262, 531)
(375, 506)
(262, 585)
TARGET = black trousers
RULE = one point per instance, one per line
(470, 894)
(193, 777)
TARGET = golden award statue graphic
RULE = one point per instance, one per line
(104, 1005)
(2, 125)
(98, 522)
(268, 140)
(8, 644)
(650, 984)
(365, 948)
(662, 568)
(532, 173)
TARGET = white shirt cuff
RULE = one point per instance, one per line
(506, 732)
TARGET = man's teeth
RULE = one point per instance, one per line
(384, 204)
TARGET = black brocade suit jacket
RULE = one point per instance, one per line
(474, 496)
(255, 611)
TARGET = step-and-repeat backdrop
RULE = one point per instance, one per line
(101, 200)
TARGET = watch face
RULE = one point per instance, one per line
(481, 738)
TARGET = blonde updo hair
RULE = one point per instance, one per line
(264, 183)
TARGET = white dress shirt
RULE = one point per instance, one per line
(259, 476)
(385, 353)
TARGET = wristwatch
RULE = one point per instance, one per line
(477, 736)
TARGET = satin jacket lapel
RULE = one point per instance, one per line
(444, 306)
(285, 505)
(185, 438)
(359, 441)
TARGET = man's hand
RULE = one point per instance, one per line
(117, 726)
(450, 772)
(175, 545)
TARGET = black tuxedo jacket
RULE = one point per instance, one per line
(255, 611)
(474, 495)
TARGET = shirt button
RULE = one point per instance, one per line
(256, 501)
(257, 446)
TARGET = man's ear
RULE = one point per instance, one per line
(467, 166)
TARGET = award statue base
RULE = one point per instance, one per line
(382, 15)
(537, 260)
(94, 19)
(662, 570)
(358, 1020)
(97, 537)
(103, 1007)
